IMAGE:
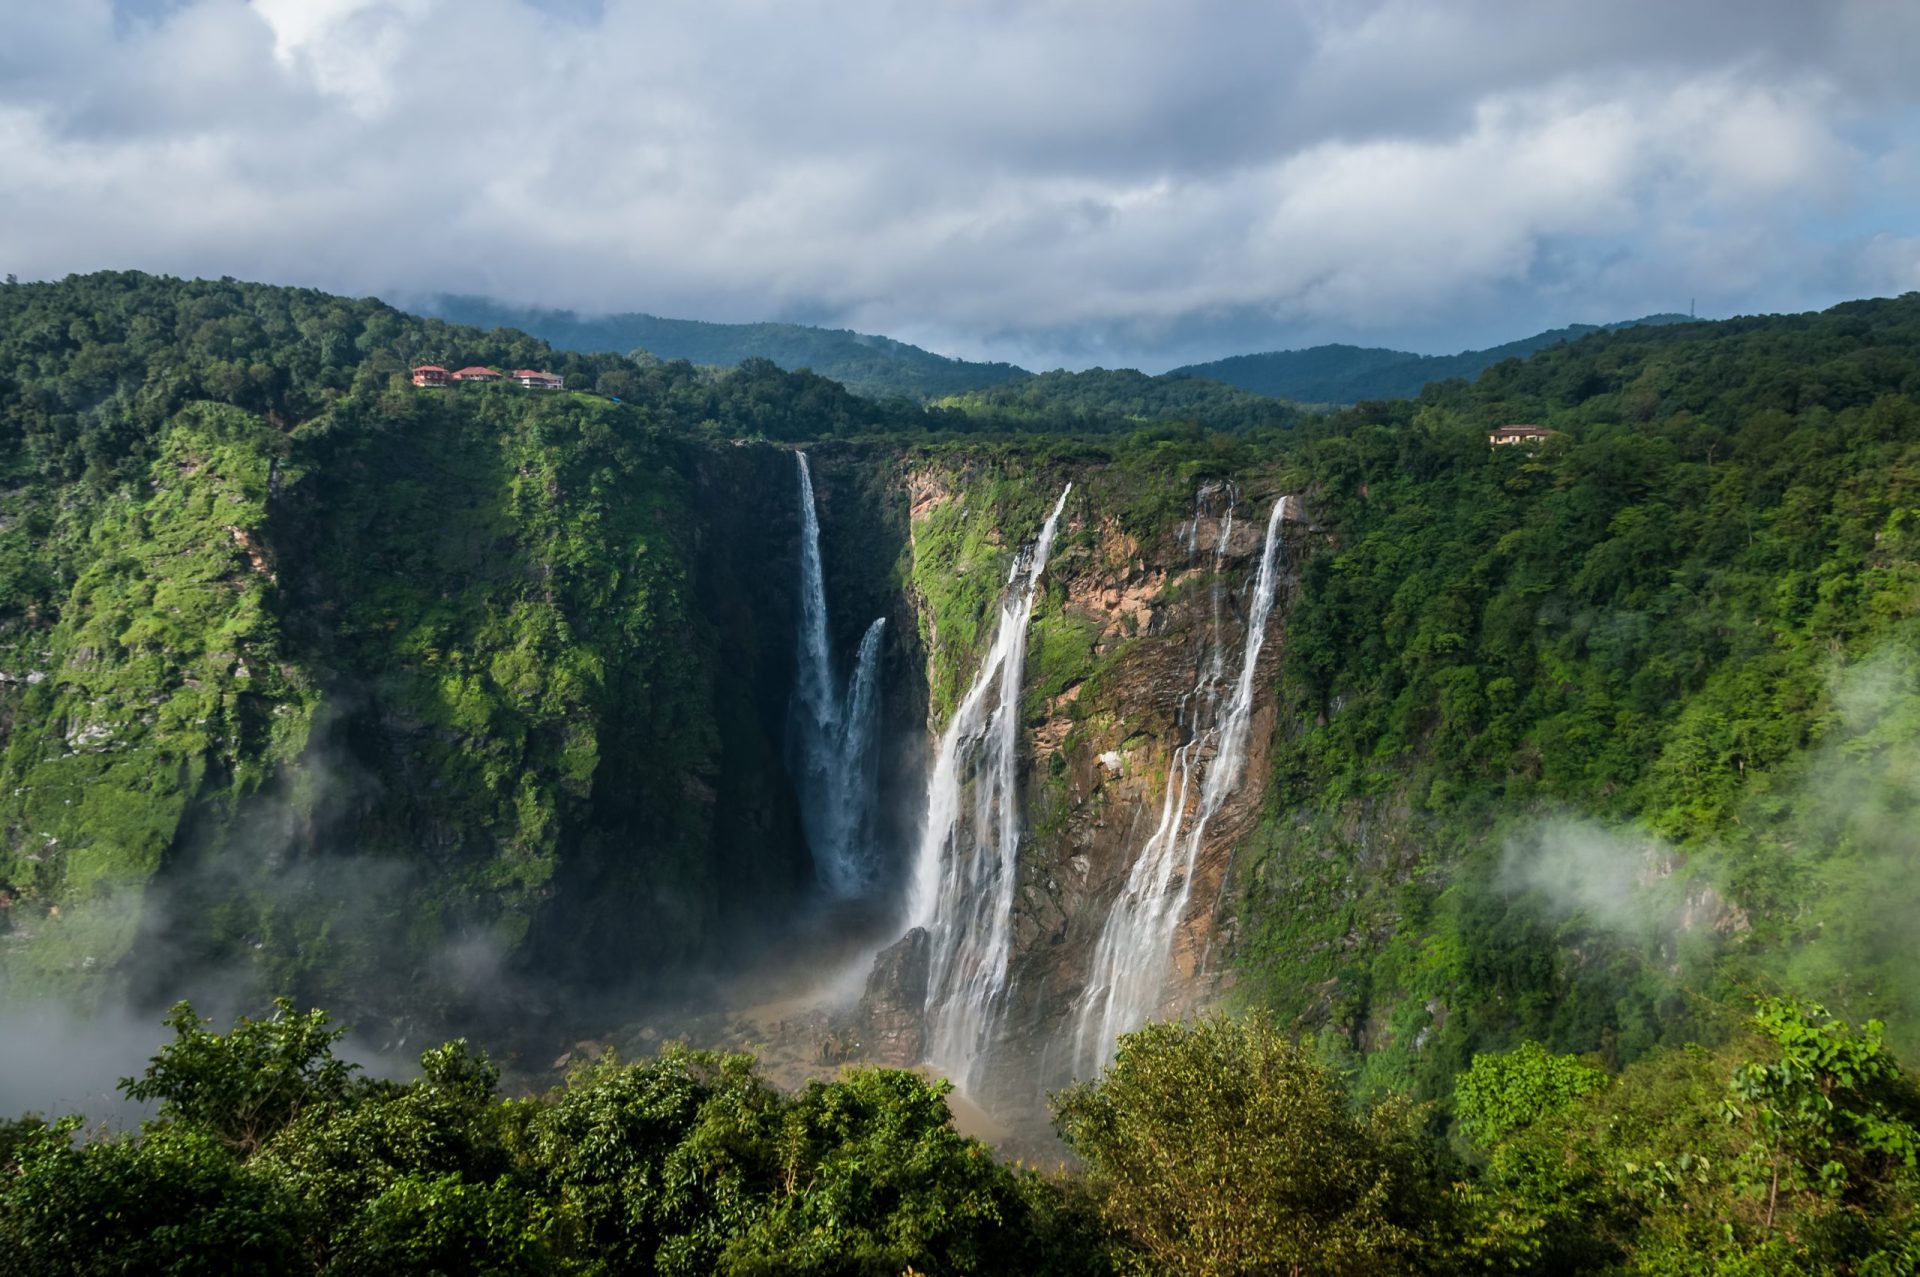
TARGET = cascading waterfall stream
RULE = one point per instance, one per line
(964, 877)
(831, 746)
(1135, 950)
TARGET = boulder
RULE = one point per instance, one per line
(894, 1005)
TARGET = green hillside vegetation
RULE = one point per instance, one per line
(1339, 374)
(1592, 791)
(1218, 1147)
(270, 615)
(1101, 400)
(1585, 736)
(1579, 741)
(877, 367)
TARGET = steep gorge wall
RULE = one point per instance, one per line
(396, 714)
(1128, 617)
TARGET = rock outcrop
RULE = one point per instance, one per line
(1114, 657)
(892, 1011)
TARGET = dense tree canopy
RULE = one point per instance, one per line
(1214, 1147)
(1102, 401)
(1672, 645)
(268, 1154)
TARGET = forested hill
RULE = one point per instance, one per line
(269, 614)
(1586, 819)
(1602, 728)
(877, 367)
(1338, 374)
(883, 368)
(1100, 398)
(247, 568)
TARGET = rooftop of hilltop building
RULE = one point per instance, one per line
(1521, 433)
(435, 375)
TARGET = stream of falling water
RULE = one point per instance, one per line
(964, 876)
(830, 744)
(1135, 950)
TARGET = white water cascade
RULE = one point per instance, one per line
(963, 884)
(830, 743)
(1135, 950)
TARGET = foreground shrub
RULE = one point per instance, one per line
(1223, 1147)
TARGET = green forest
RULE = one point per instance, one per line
(1679, 638)
(1213, 1147)
(1575, 935)
(1101, 400)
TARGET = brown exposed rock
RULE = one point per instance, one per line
(1098, 754)
(256, 556)
(895, 1002)
(1099, 764)
(1127, 608)
(925, 490)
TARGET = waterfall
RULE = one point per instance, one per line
(964, 876)
(1135, 950)
(855, 871)
(814, 713)
(830, 742)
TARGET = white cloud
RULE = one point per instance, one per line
(1008, 176)
(355, 50)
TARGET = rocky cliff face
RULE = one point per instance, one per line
(472, 699)
(1134, 608)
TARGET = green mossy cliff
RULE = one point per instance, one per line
(370, 687)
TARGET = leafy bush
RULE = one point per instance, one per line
(1223, 1147)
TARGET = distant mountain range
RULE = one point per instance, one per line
(882, 368)
(1348, 374)
(877, 367)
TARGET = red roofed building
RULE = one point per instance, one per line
(477, 373)
(534, 380)
(432, 375)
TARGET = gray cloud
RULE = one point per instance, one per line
(1052, 180)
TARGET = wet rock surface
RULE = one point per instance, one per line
(893, 1010)
(1097, 751)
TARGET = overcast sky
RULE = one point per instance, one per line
(1067, 181)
